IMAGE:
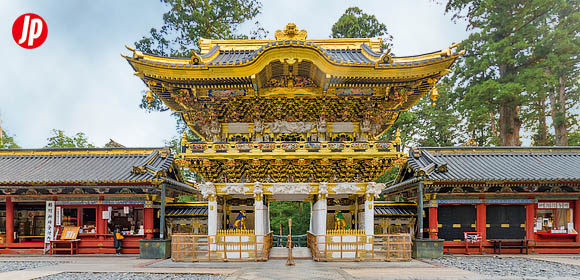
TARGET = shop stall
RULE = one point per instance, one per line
(526, 196)
(96, 190)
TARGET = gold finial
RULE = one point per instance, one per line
(290, 33)
(184, 138)
(195, 58)
(149, 96)
(434, 95)
(398, 137)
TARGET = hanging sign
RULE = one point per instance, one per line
(58, 216)
(48, 225)
(543, 205)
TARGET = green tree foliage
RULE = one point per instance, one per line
(298, 211)
(437, 122)
(557, 51)
(60, 140)
(506, 77)
(6, 141)
(187, 22)
(354, 23)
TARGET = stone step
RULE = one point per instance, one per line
(280, 253)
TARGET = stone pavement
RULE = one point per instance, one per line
(273, 269)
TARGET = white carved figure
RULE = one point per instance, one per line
(346, 188)
(291, 188)
(321, 128)
(258, 130)
(365, 128)
(206, 189)
(235, 188)
(258, 189)
(375, 188)
(323, 188)
(279, 126)
(215, 129)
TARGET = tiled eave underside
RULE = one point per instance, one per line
(492, 182)
(88, 184)
(251, 57)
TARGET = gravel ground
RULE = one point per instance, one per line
(6, 266)
(510, 266)
(130, 276)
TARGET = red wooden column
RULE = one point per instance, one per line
(530, 221)
(9, 220)
(577, 218)
(433, 229)
(101, 223)
(481, 220)
(148, 216)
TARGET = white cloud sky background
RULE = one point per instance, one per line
(78, 82)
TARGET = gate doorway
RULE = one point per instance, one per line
(280, 212)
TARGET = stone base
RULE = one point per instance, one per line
(155, 248)
(427, 248)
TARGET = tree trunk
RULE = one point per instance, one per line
(509, 124)
(542, 127)
(559, 118)
(509, 118)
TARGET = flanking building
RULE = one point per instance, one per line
(508, 194)
(45, 190)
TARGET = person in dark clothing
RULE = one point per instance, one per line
(118, 239)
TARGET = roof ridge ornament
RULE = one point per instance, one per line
(290, 32)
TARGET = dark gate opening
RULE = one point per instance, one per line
(455, 220)
(280, 212)
(506, 222)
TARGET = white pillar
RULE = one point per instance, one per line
(373, 190)
(320, 209)
(259, 216)
(212, 215)
(267, 219)
(369, 215)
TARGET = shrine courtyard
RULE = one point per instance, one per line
(449, 267)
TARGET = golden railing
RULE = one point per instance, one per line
(291, 146)
(360, 247)
(221, 247)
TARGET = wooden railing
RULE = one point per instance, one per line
(235, 247)
(360, 247)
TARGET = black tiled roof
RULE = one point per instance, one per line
(341, 56)
(82, 166)
(186, 210)
(395, 210)
(497, 163)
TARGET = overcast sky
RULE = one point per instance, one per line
(78, 82)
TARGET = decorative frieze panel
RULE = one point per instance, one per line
(290, 188)
(346, 188)
(235, 188)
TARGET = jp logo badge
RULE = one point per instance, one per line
(29, 31)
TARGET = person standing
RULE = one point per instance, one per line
(118, 239)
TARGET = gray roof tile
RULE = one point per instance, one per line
(24, 167)
(487, 164)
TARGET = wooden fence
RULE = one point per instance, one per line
(226, 247)
(360, 247)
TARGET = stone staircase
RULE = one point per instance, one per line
(281, 253)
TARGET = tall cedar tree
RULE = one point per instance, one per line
(489, 77)
(354, 23)
(187, 22)
(558, 64)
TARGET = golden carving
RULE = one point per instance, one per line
(290, 33)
